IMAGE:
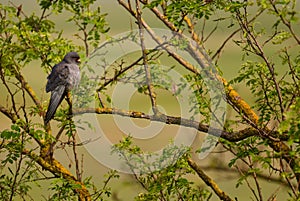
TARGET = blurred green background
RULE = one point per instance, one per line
(120, 21)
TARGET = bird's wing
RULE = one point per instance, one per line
(57, 95)
(57, 81)
(58, 76)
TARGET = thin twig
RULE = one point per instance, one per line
(145, 59)
(286, 22)
(253, 42)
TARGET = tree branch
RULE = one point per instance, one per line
(30, 91)
(230, 136)
(145, 59)
(59, 170)
(231, 94)
(209, 182)
(13, 117)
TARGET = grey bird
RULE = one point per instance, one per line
(64, 77)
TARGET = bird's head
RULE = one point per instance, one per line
(72, 57)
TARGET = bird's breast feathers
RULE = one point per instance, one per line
(74, 76)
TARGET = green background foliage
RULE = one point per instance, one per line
(253, 44)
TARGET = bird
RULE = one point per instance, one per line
(64, 77)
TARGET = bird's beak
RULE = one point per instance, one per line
(78, 61)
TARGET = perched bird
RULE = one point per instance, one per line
(63, 78)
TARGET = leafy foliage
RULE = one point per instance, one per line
(165, 177)
(262, 146)
(26, 39)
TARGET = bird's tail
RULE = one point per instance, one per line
(57, 96)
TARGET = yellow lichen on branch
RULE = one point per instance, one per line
(238, 102)
(209, 182)
(56, 168)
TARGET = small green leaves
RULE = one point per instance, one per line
(291, 124)
(160, 178)
(63, 190)
(281, 37)
(234, 6)
(14, 133)
(89, 20)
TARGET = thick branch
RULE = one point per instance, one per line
(9, 114)
(59, 170)
(209, 182)
(230, 136)
(30, 91)
(231, 94)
